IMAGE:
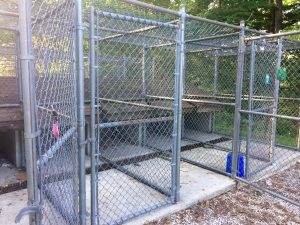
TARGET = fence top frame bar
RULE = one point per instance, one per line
(196, 18)
(135, 19)
(214, 49)
(271, 115)
(192, 100)
(152, 7)
(273, 35)
(173, 12)
(120, 34)
(199, 40)
(136, 104)
(212, 37)
(200, 19)
(226, 97)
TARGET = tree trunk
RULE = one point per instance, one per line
(278, 16)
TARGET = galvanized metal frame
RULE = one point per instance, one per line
(94, 211)
(238, 101)
(179, 73)
(29, 109)
(276, 100)
(279, 35)
(175, 152)
(134, 19)
(250, 106)
(80, 111)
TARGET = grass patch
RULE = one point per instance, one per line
(224, 125)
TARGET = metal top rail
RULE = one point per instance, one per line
(213, 22)
(135, 19)
(273, 35)
(173, 12)
(271, 115)
(196, 18)
(153, 7)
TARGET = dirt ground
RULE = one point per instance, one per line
(246, 205)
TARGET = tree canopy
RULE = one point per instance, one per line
(269, 15)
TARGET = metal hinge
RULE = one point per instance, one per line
(87, 141)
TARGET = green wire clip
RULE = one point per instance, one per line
(267, 79)
(281, 73)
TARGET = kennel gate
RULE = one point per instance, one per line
(210, 88)
(134, 137)
(263, 87)
(47, 55)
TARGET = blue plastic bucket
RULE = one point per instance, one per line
(240, 167)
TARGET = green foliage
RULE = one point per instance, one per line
(291, 86)
(254, 12)
(258, 14)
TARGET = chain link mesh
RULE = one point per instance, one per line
(55, 82)
(10, 93)
(135, 80)
(272, 142)
(210, 76)
(135, 86)
(267, 144)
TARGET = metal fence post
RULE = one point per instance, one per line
(29, 109)
(276, 98)
(80, 111)
(238, 100)
(250, 106)
(180, 54)
(92, 119)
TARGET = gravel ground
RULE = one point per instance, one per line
(246, 205)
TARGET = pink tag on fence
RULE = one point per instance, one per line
(55, 131)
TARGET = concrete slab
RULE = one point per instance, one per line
(197, 185)
(122, 195)
(10, 204)
(200, 136)
(164, 142)
(258, 167)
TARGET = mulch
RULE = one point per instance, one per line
(246, 205)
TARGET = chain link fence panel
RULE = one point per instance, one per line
(273, 121)
(133, 96)
(134, 62)
(209, 93)
(55, 84)
(10, 94)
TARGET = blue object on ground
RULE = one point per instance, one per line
(240, 167)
